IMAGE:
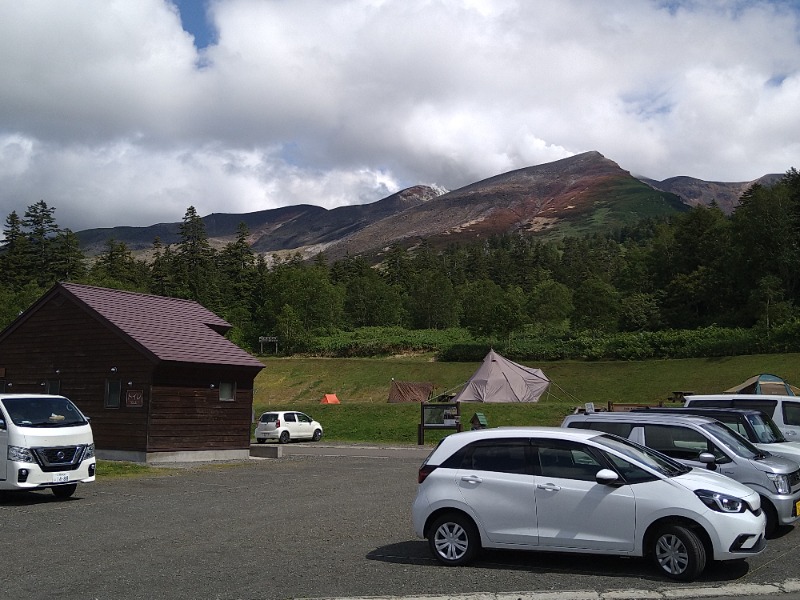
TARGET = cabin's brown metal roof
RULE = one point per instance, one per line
(171, 329)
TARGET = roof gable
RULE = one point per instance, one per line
(170, 329)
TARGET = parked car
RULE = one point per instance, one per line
(287, 425)
(784, 410)
(754, 425)
(570, 490)
(704, 442)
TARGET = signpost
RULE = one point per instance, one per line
(271, 339)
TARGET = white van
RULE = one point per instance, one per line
(45, 442)
(784, 410)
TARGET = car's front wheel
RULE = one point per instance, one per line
(454, 539)
(65, 491)
(317, 435)
(284, 437)
(679, 553)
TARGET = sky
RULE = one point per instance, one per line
(127, 112)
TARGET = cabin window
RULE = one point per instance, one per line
(113, 393)
(227, 391)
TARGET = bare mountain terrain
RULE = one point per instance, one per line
(582, 194)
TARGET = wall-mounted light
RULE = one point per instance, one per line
(58, 371)
(113, 369)
(130, 383)
(212, 386)
(43, 384)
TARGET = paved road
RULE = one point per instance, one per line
(320, 522)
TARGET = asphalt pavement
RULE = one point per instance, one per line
(322, 521)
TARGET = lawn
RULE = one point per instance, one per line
(362, 386)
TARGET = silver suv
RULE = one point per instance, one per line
(568, 490)
(705, 442)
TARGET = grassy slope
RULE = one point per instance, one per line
(362, 386)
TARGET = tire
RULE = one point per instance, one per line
(317, 435)
(261, 440)
(454, 540)
(772, 517)
(678, 553)
(64, 491)
(284, 438)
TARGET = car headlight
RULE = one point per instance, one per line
(721, 502)
(20, 454)
(781, 483)
(89, 452)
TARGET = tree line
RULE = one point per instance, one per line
(693, 270)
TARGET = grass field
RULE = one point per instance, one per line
(362, 386)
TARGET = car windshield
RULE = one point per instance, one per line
(269, 417)
(43, 412)
(642, 455)
(733, 440)
(767, 432)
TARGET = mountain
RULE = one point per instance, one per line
(581, 194)
(696, 192)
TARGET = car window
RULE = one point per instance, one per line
(732, 440)
(628, 471)
(567, 460)
(678, 442)
(711, 403)
(303, 418)
(766, 405)
(289, 417)
(733, 423)
(766, 431)
(503, 456)
(791, 413)
(269, 417)
(623, 430)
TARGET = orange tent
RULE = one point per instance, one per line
(329, 399)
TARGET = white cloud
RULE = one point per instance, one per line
(109, 113)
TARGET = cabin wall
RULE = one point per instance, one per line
(62, 343)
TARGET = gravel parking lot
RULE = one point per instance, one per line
(316, 523)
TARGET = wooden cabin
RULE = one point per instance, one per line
(156, 375)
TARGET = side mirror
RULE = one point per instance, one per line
(606, 477)
(708, 460)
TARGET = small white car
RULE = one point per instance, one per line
(287, 425)
(578, 491)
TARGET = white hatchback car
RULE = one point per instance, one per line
(287, 425)
(572, 490)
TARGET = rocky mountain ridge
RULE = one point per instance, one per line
(580, 194)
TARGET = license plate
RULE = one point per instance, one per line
(60, 477)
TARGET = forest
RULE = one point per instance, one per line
(698, 283)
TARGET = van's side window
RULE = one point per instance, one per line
(791, 413)
(681, 443)
(765, 406)
(623, 430)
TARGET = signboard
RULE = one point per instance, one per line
(438, 415)
(134, 398)
(268, 339)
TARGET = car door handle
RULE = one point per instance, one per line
(471, 479)
(550, 487)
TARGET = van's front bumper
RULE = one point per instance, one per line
(29, 475)
(788, 507)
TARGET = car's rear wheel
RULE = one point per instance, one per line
(261, 440)
(65, 491)
(454, 539)
(679, 553)
(317, 435)
(284, 437)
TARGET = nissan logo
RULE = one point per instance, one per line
(60, 455)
